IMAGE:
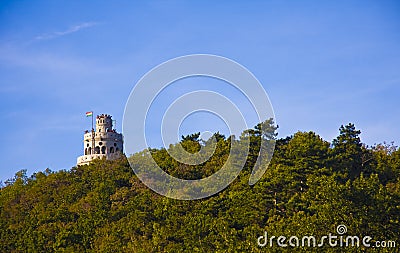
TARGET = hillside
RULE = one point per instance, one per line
(310, 187)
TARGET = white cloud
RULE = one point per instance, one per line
(61, 62)
(70, 30)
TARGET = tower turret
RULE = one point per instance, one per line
(104, 141)
(103, 123)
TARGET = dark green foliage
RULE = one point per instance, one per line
(347, 151)
(309, 188)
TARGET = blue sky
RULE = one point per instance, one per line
(322, 63)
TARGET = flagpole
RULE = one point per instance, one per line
(93, 151)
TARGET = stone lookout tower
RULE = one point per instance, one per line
(103, 141)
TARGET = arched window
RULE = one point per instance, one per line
(85, 151)
(89, 150)
(116, 149)
(103, 149)
(111, 150)
(97, 150)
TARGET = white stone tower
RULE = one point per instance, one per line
(103, 141)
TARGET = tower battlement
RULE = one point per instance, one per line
(103, 141)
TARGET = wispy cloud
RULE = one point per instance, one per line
(70, 30)
(13, 55)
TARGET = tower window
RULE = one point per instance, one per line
(100, 143)
(115, 144)
(111, 150)
(103, 149)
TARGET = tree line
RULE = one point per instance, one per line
(310, 187)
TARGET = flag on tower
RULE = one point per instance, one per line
(88, 114)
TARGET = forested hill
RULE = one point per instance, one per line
(310, 187)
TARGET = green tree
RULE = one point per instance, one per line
(347, 151)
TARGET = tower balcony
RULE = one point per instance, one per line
(86, 159)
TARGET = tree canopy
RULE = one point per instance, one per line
(310, 187)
